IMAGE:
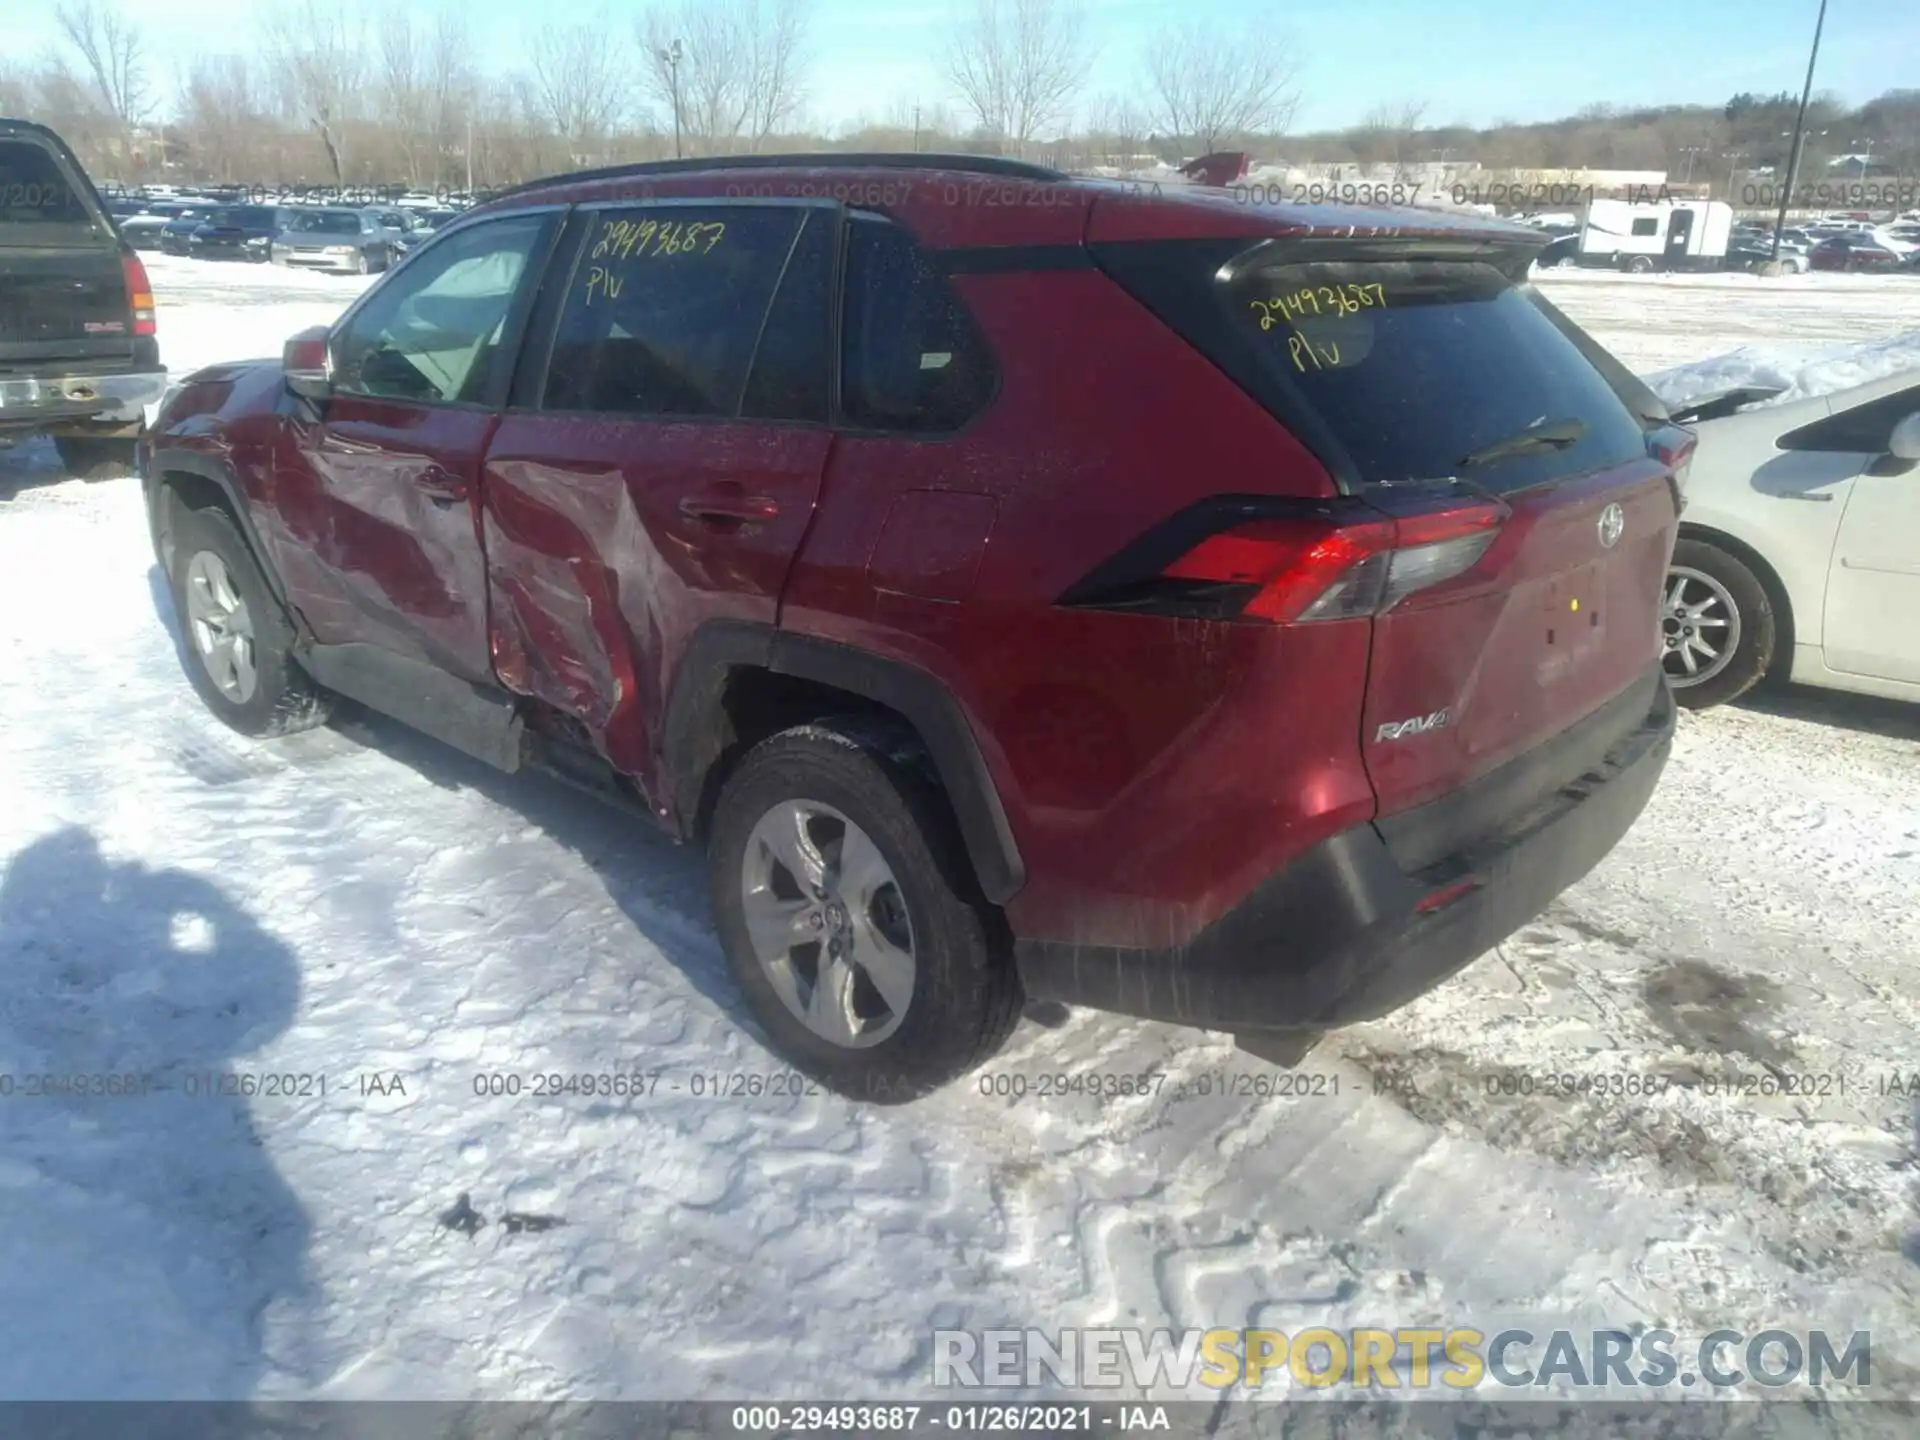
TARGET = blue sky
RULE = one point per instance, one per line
(1472, 61)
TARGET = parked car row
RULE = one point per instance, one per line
(348, 239)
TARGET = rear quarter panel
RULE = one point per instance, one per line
(1152, 771)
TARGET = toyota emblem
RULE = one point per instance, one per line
(1613, 523)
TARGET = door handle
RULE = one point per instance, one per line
(442, 487)
(729, 507)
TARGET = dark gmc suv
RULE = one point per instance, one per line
(1023, 587)
(79, 359)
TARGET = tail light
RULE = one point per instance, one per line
(1284, 570)
(1673, 447)
(139, 294)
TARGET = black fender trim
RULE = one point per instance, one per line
(204, 467)
(695, 731)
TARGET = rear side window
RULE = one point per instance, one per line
(665, 309)
(1648, 226)
(1416, 367)
(1863, 430)
(911, 357)
(38, 200)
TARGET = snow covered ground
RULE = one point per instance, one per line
(362, 906)
(1655, 321)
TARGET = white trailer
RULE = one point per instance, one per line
(1642, 235)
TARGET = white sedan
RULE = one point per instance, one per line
(1799, 549)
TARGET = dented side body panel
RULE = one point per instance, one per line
(597, 577)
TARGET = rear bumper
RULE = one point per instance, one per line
(333, 264)
(1338, 936)
(119, 398)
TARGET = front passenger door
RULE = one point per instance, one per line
(1873, 586)
(420, 369)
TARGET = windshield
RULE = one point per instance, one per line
(326, 222)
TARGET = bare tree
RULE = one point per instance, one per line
(1019, 63)
(114, 54)
(1386, 134)
(16, 89)
(741, 71)
(319, 56)
(1209, 85)
(452, 83)
(1118, 131)
(221, 118)
(578, 83)
(111, 48)
(402, 104)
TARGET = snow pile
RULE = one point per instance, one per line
(1797, 375)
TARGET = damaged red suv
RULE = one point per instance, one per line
(1024, 588)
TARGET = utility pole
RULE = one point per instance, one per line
(1733, 170)
(916, 129)
(671, 58)
(1799, 130)
(469, 157)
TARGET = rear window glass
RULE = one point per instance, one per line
(326, 223)
(38, 202)
(1415, 366)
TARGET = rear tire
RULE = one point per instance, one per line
(88, 457)
(836, 830)
(237, 642)
(1639, 265)
(1716, 612)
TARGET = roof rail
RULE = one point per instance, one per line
(836, 159)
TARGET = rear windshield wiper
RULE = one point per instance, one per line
(1546, 435)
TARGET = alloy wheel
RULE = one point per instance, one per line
(1699, 626)
(221, 626)
(828, 923)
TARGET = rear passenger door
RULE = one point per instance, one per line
(660, 461)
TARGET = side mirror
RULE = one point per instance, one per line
(307, 364)
(1904, 443)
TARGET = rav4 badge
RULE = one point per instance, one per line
(1419, 725)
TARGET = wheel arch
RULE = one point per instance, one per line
(1783, 618)
(737, 683)
(197, 482)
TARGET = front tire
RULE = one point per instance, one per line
(1717, 624)
(90, 457)
(237, 642)
(850, 916)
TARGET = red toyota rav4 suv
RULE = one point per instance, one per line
(1235, 615)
